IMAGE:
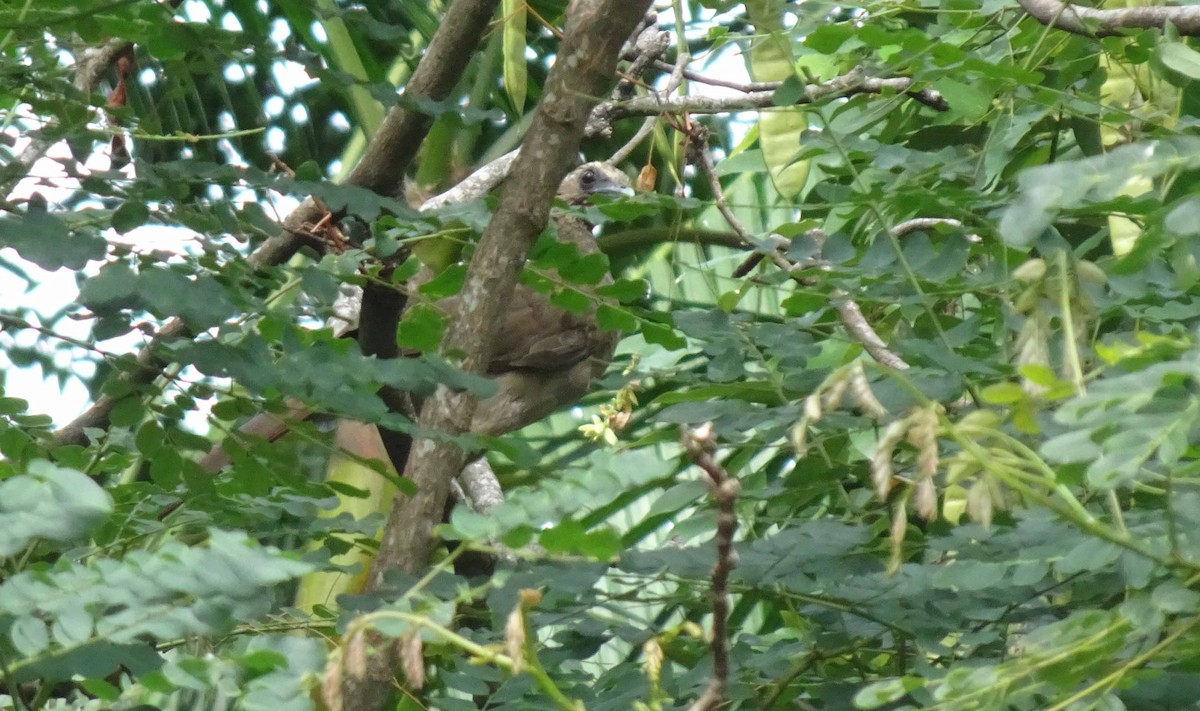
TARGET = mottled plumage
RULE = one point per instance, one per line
(545, 357)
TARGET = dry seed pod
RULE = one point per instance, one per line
(812, 408)
(356, 655)
(864, 397)
(1030, 271)
(1027, 300)
(647, 179)
(923, 436)
(652, 651)
(979, 503)
(331, 683)
(1090, 272)
(881, 461)
(799, 434)
(832, 397)
(411, 653)
(514, 638)
(899, 526)
(926, 499)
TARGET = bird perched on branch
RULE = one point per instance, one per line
(543, 360)
(544, 357)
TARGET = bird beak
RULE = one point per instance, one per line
(613, 189)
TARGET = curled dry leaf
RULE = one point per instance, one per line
(410, 651)
(833, 396)
(652, 651)
(860, 390)
(979, 503)
(812, 408)
(356, 655)
(799, 435)
(331, 682)
(514, 638)
(881, 461)
(926, 499)
(899, 526)
(647, 179)
(923, 435)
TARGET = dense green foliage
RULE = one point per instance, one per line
(1007, 523)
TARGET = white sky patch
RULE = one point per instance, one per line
(280, 30)
(230, 22)
(234, 73)
(290, 77)
(274, 106)
(276, 139)
(318, 32)
(196, 11)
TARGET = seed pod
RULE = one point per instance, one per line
(647, 179)
(1090, 272)
(1032, 270)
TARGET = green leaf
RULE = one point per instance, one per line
(571, 537)
(421, 328)
(101, 689)
(879, 693)
(515, 71)
(447, 282)
(1003, 393)
(49, 502)
(588, 269)
(29, 636)
(131, 214)
(1172, 597)
(49, 241)
(1047, 190)
(1180, 58)
(114, 287)
(624, 290)
(790, 92)
(571, 301)
(779, 132)
(1184, 218)
(826, 39)
(664, 336)
(612, 318)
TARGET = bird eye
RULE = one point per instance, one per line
(588, 177)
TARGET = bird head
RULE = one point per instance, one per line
(592, 179)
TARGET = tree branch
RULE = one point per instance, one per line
(382, 168)
(582, 73)
(393, 148)
(1093, 22)
(701, 446)
(595, 32)
(855, 82)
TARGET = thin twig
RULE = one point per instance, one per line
(701, 446)
(849, 312)
(676, 79)
(849, 84)
(744, 87)
(1096, 22)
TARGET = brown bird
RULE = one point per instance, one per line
(544, 359)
